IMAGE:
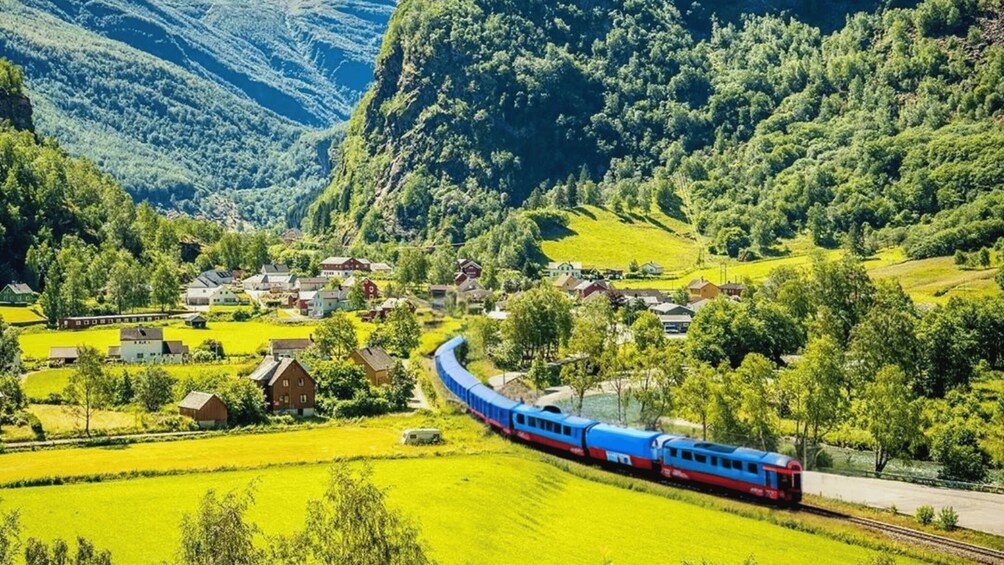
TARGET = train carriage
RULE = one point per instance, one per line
(552, 429)
(456, 378)
(625, 446)
(768, 475)
(492, 408)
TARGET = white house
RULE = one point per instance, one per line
(211, 279)
(217, 296)
(142, 345)
(310, 283)
(324, 302)
(558, 268)
(272, 283)
(652, 268)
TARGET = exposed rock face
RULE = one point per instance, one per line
(16, 109)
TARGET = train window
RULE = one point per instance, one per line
(751, 467)
(533, 421)
(737, 465)
(687, 456)
(672, 452)
(568, 431)
(700, 458)
(798, 481)
(519, 419)
(714, 460)
(726, 464)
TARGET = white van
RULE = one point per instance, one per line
(421, 436)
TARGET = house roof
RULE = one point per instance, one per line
(307, 295)
(698, 284)
(312, 280)
(375, 357)
(63, 353)
(20, 288)
(695, 306)
(668, 307)
(342, 260)
(174, 348)
(335, 294)
(274, 269)
(196, 400)
(380, 267)
(194, 317)
(141, 333)
(461, 263)
(652, 264)
(270, 369)
(291, 344)
(732, 286)
(555, 264)
(676, 318)
(566, 281)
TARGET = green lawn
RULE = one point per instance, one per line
(471, 509)
(238, 338)
(368, 438)
(600, 238)
(60, 421)
(39, 385)
(20, 314)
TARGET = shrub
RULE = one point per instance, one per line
(282, 420)
(363, 404)
(178, 423)
(241, 315)
(36, 427)
(824, 460)
(925, 514)
(948, 518)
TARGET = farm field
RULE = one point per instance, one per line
(600, 238)
(20, 315)
(376, 437)
(59, 421)
(488, 509)
(41, 384)
(238, 338)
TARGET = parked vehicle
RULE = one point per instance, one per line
(421, 436)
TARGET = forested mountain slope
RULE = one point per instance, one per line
(182, 100)
(889, 126)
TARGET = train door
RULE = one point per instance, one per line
(770, 479)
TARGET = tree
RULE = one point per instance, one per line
(843, 292)
(957, 447)
(351, 524)
(886, 335)
(402, 330)
(891, 415)
(126, 284)
(854, 242)
(335, 337)
(230, 251)
(164, 286)
(539, 374)
(758, 401)
(10, 349)
(51, 298)
(442, 266)
(37, 553)
(999, 277)
(357, 297)
(219, 533)
(648, 332)
(412, 267)
(88, 388)
(402, 385)
(730, 241)
(12, 399)
(244, 400)
(10, 537)
(339, 379)
(540, 320)
(257, 251)
(658, 372)
(154, 387)
(813, 390)
(581, 380)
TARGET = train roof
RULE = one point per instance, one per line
(450, 345)
(615, 438)
(448, 361)
(536, 412)
(493, 397)
(739, 453)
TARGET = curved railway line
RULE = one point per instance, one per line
(976, 553)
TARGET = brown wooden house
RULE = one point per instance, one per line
(287, 387)
(701, 288)
(206, 409)
(375, 363)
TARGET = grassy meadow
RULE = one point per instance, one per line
(61, 421)
(40, 384)
(21, 314)
(484, 509)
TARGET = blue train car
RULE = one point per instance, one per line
(560, 431)
(626, 446)
(760, 473)
(493, 408)
(453, 374)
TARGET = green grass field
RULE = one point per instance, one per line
(21, 314)
(472, 509)
(59, 421)
(938, 279)
(600, 238)
(39, 385)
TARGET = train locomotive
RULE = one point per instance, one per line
(762, 474)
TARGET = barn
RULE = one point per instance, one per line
(206, 409)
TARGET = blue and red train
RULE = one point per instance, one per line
(758, 473)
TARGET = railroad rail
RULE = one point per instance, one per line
(976, 553)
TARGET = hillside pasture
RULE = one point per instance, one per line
(484, 509)
(19, 315)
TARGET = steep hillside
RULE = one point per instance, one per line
(767, 127)
(191, 103)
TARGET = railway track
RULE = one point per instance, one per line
(974, 552)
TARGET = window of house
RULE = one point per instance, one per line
(285, 382)
(303, 399)
(300, 382)
(285, 399)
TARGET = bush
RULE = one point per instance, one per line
(282, 420)
(948, 518)
(241, 315)
(363, 404)
(925, 514)
(36, 427)
(178, 423)
(824, 460)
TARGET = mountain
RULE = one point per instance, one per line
(195, 105)
(762, 120)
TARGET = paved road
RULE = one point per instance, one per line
(977, 510)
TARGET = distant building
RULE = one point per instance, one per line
(585, 289)
(566, 283)
(288, 347)
(670, 309)
(558, 268)
(343, 267)
(676, 323)
(732, 289)
(142, 345)
(375, 363)
(274, 269)
(469, 268)
(206, 409)
(211, 279)
(370, 288)
(214, 296)
(61, 356)
(287, 387)
(18, 294)
(380, 312)
(381, 268)
(652, 268)
(701, 288)
(272, 282)
(310, 283)
(196, 321)
(84, 322)
(323, 302)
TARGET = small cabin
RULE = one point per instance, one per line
(206, 409)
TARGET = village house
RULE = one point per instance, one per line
(82, 322)
(273, 269)
(286, 386)
(319, 303)
(557, 268)
(471, 294)
(670, 309)
(701, 288)
(676, 323)
(380, 312)
(566, 283)
(613, 274)
(370, 288)
(585, 289)
(195, 321)
(381, 268)
(288, 347)
(438, 294)
(274, 283)
(469, 268)
(206, 409)
(652, 268)
(732, 289)
(215, 296)
(310, 283)
(375, 363)
(142, 345)
(18, 294)
(62, 356)
(343, 267)
(212, 279)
